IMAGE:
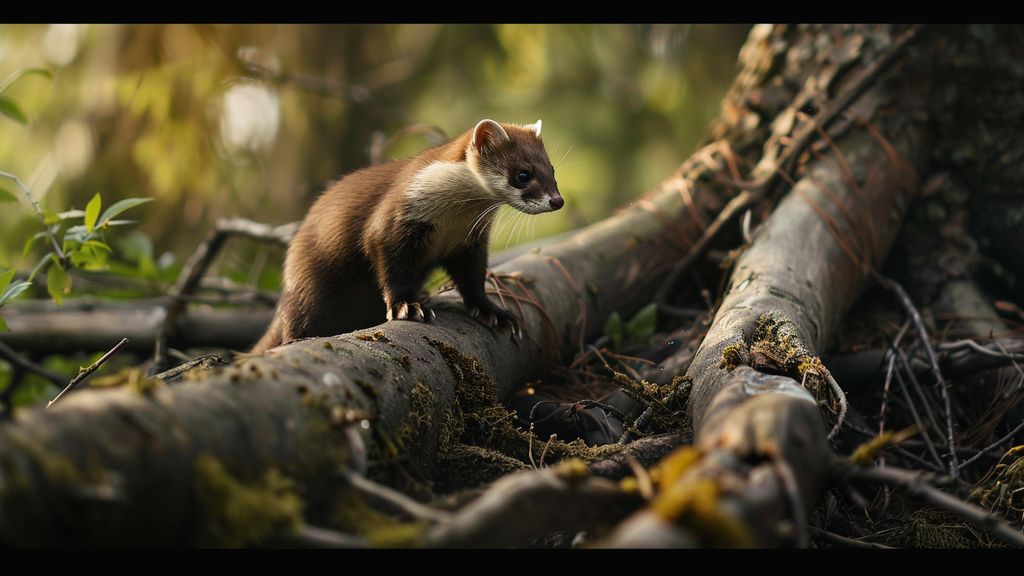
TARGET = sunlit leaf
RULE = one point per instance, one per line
(58, 283)
(643, 324)
(21, 74)
(92, 212)
(11, 109)
(7, 196)
(50, 217)
(119, 207)
(13, 291)
(5, 279)
(70, 244)
(97, 244)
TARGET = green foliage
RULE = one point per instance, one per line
(643, 323)
(92, 212)
(637, 331)
(11, 109)
(58, 281)
(613, 329)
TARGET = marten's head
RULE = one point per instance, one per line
(511, 161)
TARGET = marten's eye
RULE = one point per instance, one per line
(523, 176)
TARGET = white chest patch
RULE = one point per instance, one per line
(451, 197)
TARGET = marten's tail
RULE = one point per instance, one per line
(271, 339)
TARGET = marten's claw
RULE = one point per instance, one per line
(497, 319)
(413, 311)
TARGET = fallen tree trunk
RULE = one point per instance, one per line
(106, 467)
(761, 459)
(87, 325)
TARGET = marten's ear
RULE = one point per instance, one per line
(536, 127)
(488, 135)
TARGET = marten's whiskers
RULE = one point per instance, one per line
(559, 163)
(480, 218)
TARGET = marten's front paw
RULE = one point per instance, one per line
(410, 311)
(494, 317)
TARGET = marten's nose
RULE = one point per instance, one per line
(556, 202)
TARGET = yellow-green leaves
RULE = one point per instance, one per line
(119, 207)
(9, 107)
(92, 212)
(58, 281)
(9, 290)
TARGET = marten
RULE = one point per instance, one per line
(368, 243)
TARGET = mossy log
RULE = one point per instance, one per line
(758, 388)
(122, 467)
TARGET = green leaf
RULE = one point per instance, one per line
(5, 279)
(7, 196)
(97, 244)
(32, 242)
(70, 244)
(134, 246)
(613, 329)
(3, 325)
(643, 324)
(21, 74)
(92, 212)
(120, 206)
(13, 291)
(89, 258)
(50, 217)
(58, 283)
(11, 109)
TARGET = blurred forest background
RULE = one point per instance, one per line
(254, 121)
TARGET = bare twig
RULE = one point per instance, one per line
(21, 185)
(562, 497)
(993, 446)
(9, 354)
(915, 316)
(84, 373)
(196, 266)
(846, 542)
(405, 504)
(916, 485)
(200, 362)
(917, 419)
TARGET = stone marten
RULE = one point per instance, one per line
(365, 248)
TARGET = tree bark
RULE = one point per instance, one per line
(757, 381)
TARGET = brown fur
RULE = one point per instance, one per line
(368, 243)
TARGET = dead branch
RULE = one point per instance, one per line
(916, 484)
(563, 497)
(84, 373)
(90, 325)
